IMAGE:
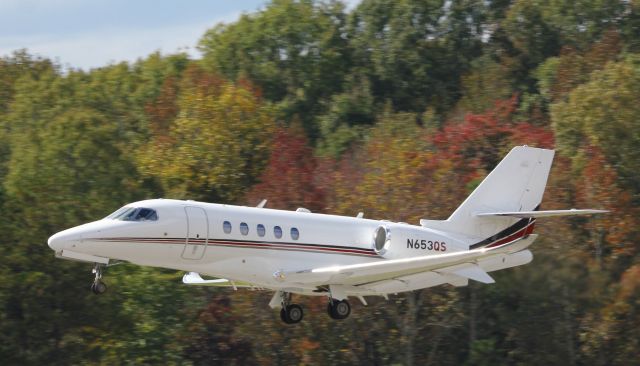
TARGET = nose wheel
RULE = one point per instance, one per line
(98, 287)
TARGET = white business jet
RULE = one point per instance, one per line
(299, 252)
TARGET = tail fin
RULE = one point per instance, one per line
(516, 184)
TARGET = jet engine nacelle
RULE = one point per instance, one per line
(393, 241)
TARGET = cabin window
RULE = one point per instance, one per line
(295, 234)
(261, 230)
(226, 226)
(244, 228)
(277, 231)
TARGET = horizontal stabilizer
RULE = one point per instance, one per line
(536, 214)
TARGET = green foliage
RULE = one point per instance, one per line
(294, 51)
(348, 116)
(410, 49)
(603, 113)
(487, 82)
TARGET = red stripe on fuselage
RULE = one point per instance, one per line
(247, 244)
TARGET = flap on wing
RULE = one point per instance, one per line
(548, 213)
(388, 269)
(470, 271)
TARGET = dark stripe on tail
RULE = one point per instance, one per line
(518, 230)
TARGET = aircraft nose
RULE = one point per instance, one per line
(62, 239)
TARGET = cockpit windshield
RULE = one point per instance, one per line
(128, 213)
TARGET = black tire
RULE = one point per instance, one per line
(339, 309)
(292, 314)
(295, 313)
(99, 287)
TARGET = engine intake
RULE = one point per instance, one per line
(381, 239)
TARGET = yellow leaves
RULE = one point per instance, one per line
(396, 173)
(215, 147)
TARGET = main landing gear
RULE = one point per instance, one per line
(293, 313)
(98, 287)
(290, 313)
(338, 309)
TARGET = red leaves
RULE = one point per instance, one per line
(491, 129)
(288, 181)
(480, 140)
(164, 108)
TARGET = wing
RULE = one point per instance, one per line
(455, 268)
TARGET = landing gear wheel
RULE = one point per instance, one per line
(339, 309)
(98, 287)
(291, 314)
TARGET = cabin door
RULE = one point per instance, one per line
(197, 233)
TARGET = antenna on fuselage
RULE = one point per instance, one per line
(262, 203)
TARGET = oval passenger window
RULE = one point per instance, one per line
(261, 230)
(226, 226)
(244, 228)
(277, 231)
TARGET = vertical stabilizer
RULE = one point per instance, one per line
(517, 183)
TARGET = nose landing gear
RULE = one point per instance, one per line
(98, 287)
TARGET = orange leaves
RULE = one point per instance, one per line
(598, 187)
(574, 67)
(629, 283)
(163, 109)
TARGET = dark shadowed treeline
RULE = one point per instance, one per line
(394, 108)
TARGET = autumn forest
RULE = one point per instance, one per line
(394, 108)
